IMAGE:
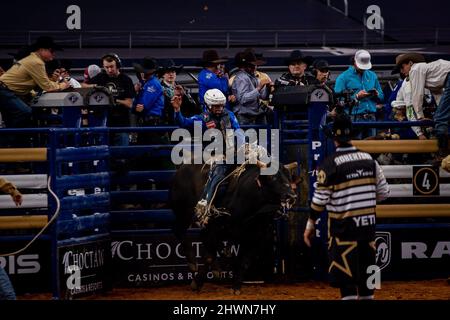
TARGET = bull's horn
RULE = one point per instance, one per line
(291, 166)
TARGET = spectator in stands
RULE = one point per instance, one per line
(366, 90)
(249, 90)
(433, 76)
(17, 83)
(122, 90)
(167, 72)
(212, 76)
(90, 72)
(6, 288)
(297, 76)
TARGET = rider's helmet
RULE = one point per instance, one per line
(214, 97)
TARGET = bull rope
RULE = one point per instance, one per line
(55, 215)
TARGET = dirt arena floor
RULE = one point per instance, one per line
(438, 289)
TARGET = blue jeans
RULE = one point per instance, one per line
(442, 114)
(15, 112)
(6, 288)
(366, 132)
(216, 174)
(248, 120)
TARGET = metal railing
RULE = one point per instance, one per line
(230, 38)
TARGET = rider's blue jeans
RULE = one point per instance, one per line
(216, 174)
(6, 288)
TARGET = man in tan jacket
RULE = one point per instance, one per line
(24, 76)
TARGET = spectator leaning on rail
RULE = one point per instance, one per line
(366, 87)
(349, 182)
(17, 83)
(6, 288)
(212, 76)
(249, 90)
(435, 77)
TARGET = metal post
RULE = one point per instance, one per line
(276, 39)
(129, 41)
(228, 40)
(179, 40)
(436, 36)
(80, 42)
(324, 39)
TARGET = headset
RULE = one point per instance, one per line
(113, 56)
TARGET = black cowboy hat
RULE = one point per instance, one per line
(168, 65)
(45, 42)
(248, 58)
(148, 65)
(405, 58)
(211, 57)
(297, 55)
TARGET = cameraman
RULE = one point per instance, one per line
(366, 87)
(121, 88)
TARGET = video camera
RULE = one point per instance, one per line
(344, 99)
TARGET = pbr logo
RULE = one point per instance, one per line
(383, 247)
(98, 98)
(73, 98)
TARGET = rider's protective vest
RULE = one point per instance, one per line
(221, 123)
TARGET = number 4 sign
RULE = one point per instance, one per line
(425, 181)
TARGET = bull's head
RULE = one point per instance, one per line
(280, 186)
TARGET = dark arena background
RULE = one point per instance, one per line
(105, 206)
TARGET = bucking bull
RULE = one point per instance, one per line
(251, 200)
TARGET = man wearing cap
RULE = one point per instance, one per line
(167, 73)
(90, 72)
(212, 76)
(366, 89)
(249, 90)
(349, 183)
(17, 83)
(433, 76)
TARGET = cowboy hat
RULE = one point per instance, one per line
(297, 55)
(148, 65)
(211, 57)
(405, 58)
(248, 58)
(45, 42)
(168, 65)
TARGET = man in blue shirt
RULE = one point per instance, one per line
(367, 90)
(212, 76)
(216, 117)
(149, 103)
